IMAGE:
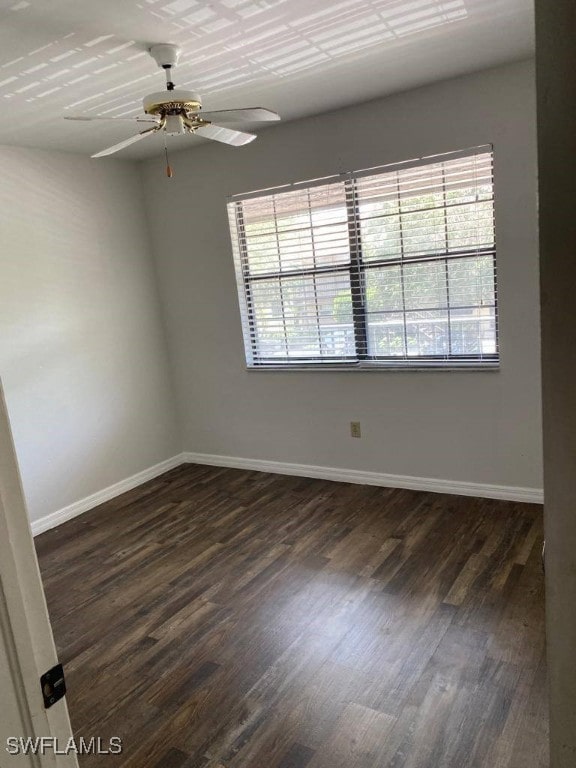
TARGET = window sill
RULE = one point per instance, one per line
(492, 367)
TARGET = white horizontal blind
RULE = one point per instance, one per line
(395, 265)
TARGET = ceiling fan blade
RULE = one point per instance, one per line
(250, 114)
(225, 135)
(127, 142)
(86, 118)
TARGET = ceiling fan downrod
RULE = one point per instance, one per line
(166, 55)
(169, 82)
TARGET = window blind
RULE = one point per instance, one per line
(387, 266)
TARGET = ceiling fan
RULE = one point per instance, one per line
(177, 111)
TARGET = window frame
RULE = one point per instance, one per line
(357, 269)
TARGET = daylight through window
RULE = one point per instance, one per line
(388, 266)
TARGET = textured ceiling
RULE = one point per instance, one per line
(299, 57)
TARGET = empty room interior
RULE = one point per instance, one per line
(287, 359)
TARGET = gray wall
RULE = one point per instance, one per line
(82, 347)
(556, 53)
(473, 427)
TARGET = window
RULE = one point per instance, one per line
(393, 266)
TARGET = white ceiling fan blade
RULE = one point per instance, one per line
(250, 114)
(225, 135)
(127, 142)
(87, 118)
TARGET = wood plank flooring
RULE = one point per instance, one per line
(219, 618)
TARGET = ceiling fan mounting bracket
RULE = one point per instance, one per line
(166, 55)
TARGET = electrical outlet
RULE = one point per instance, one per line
(355, 430)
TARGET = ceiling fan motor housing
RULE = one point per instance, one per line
(174, 102)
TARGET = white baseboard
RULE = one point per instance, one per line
(506, 492)
(482, 490)
(89, 502)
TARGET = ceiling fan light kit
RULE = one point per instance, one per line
(177, 111)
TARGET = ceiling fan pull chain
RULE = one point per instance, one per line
(168, 167)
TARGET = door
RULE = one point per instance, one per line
(27, 648)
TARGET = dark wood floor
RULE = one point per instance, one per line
(221, 618)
